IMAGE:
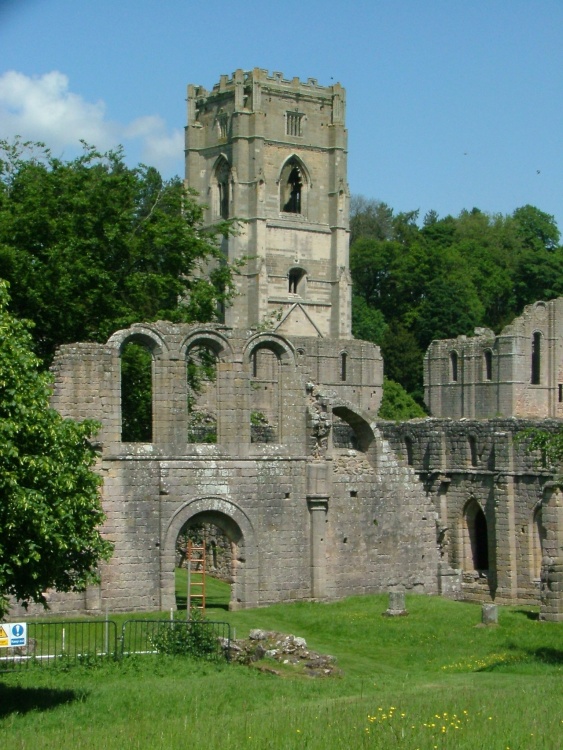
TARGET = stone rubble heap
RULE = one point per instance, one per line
(284, 649)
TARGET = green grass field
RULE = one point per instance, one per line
(431, 680)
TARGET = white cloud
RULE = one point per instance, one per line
(158, 146)
(42, 108)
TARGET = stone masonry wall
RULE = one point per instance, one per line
(478, 464)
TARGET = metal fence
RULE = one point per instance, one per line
(72, 642)
(89, 642)
(200, 638)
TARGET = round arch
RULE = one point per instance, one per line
(278, 344)
(139, 334)
(362, 425)
(208, 338)
(236, 524)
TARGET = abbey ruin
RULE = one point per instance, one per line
(319, 499)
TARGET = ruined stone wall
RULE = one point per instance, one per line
(478, 464)
(308, 517)
(517, 373)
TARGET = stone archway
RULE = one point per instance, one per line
(236, 526)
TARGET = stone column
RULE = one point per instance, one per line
(317, 503)
(551, 608)
(318, 508)
(502, 567)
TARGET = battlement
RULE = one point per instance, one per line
(272, 82)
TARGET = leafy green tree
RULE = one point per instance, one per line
(397, 404)
(368, 323)
(91, 245)
(370, 219)
(536, 229)
(50, 510)
(402, 359)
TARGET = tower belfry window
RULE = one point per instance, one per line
(293, 122)
(296, 277)
(223, 125)
(293, 190)
(223, 195)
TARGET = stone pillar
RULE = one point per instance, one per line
(318, 508)
(551, 608)
(502, 568)
(317, 503)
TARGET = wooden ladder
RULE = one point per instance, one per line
(196, 577)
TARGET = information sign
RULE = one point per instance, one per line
(13, 634)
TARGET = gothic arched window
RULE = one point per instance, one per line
(293, 184)
(222, 189)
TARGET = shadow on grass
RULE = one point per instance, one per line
(547, 655)
(181, 604)
(21, 700)
(528, 613)
(515, 655)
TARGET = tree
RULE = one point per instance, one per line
(397, 404)
(370, 219)
(91, 245)
(50, 510)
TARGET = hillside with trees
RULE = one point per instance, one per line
(439, 278)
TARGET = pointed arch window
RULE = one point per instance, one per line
(293, 185)
(222, 189)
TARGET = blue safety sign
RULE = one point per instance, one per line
(13, 634)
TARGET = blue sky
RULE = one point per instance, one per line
(451, 104)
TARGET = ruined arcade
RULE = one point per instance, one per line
(281, 450)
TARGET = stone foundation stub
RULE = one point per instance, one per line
(489, 614)
(396, 605)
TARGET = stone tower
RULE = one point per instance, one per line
(272, 152)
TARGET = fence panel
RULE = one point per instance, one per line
(72, 642)
(202, 639)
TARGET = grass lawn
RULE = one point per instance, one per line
(430, 680)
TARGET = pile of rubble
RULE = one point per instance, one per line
(291, 650)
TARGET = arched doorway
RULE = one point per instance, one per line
(206, 554)
(232, 527)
